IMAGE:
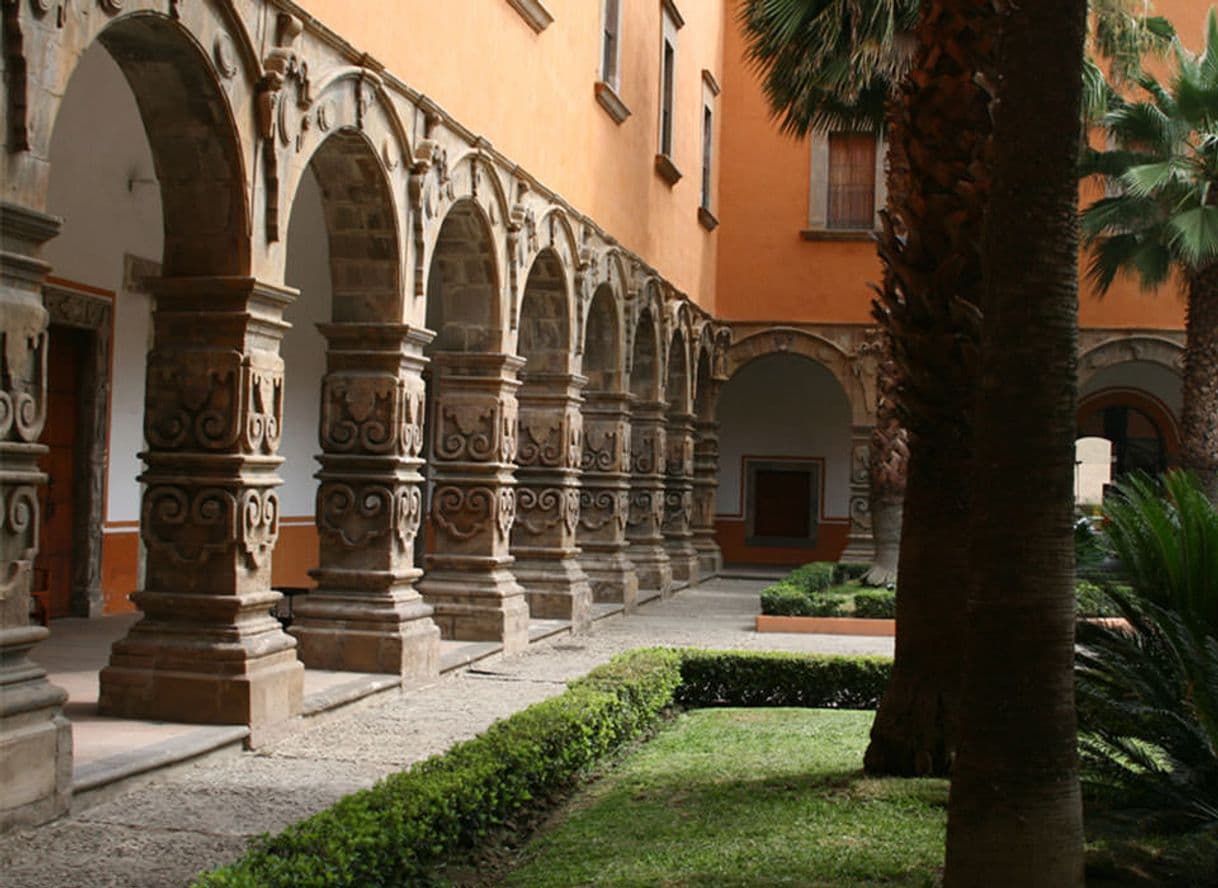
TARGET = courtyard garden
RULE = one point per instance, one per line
(697, 767)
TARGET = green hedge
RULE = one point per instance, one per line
(397, 831)
(764, 678)
(784, 600)
(876, 604)
(393, 833)
(814, 577)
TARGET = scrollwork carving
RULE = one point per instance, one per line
(190, 525)
(463, 513)
(362, 412)
(259, 525)
(24, 356)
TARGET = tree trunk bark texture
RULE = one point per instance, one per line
(931, 250)
(1199, 419)
(1015, 813)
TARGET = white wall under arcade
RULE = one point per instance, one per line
(777, 408)
(1158, 381)
(104, 187)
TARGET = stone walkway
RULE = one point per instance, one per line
(202, 815)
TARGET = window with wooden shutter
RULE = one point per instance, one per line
(851, 181)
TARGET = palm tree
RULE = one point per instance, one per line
(1162, 221)
(848, 64)
(1015, 807)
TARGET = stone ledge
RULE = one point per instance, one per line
(707, 219)
(838, 234)
(611, 102)
(534, 12)
(667, 170)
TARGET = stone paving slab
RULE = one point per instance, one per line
(201, 816)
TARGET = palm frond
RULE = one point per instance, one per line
(1194, 236)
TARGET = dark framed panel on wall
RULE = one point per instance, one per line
(782, 501)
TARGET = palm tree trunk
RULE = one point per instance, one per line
(1015, 812)
(931, 248)
(1199, 419)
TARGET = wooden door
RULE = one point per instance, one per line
(53, 566)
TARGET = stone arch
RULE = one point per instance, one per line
(470, 190)
(646, 360)
(778, 340)
(678, 388)
(361, 223)
(556, 247)
(196, 141)
(463, 282)
(703, 378)
(602, 353)
(544, 336)
(1152, 349)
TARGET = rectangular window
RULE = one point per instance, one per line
(610, 46)
(708, 130)
(666, 98)
(851, 183)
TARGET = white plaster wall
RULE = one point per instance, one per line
(784, 406)
(304, 348)
(104, 186)
(1154, 379)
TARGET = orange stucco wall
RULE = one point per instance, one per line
(532, 96)
(768, 273)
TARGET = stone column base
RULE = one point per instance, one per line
(380, 635)
(710, 560)
(860, 549)
(612, 577)
(35, 737)
(653, 568)
(556, 590)
(482, 606)
(683, 559)
(235, 669)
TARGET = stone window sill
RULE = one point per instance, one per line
(534, 12)
(611, 102)
(707, 219)
(667, 169)
(839, 234)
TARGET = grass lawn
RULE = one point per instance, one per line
(745, 797)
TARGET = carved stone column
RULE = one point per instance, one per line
(604, 499)
(860, 546)
(547, 499)
(644, 523)
(366, 615)
(473, 500)
(679, 498)
(706, 486)
(35, 737)
(207, 649)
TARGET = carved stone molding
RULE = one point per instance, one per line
(679, 498)
(473, 502)
(366, 614)
(644, 523)
(207, 649)
(705, 488)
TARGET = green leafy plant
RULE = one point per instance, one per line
(785, 600)
(814, 577)
(1148, 695)
(876, 604)
(768, 678)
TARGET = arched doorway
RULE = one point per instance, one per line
(648, 450)
(343, 254)
(605, 492)
(549, 451)
(472, 444)
(679, 464)
(785, 453)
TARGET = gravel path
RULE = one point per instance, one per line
(166, 831)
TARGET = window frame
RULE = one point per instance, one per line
(666, 117)
(706, 196)
(818, 192)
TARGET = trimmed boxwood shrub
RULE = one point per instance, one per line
(814, 577)
(765, 678)
(785, 600)
(875, 604)
(393, 833)
(397, 831)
